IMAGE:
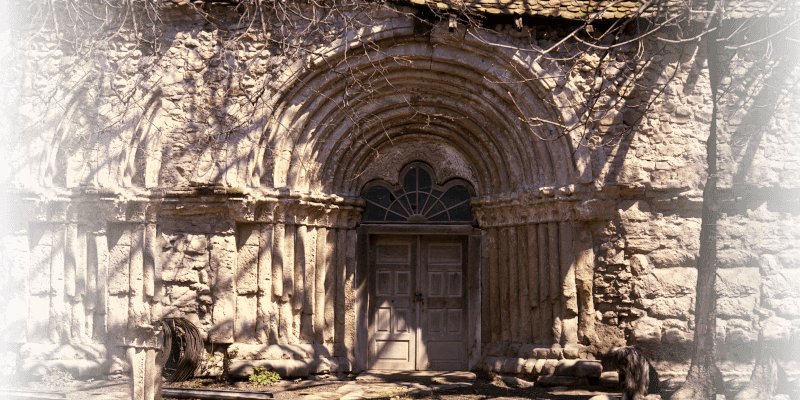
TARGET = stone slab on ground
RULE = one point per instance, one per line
(416, 376)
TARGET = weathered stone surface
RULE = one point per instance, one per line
(737, 307)
(226, 166)
(639, 264)
(768, 264)
(671, 258)
(566, 367)
(647, 331)
(284, 368)
(667, 283)
(775, 329)
(592, 369)
(678, 307)
(241, 351)
(738, 282)
(516, 382)
(222, 264)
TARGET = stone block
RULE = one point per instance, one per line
(639, 264)
(781, 284)
(739, 336)
(674, 335)
(539, 366)
(284, 368)
(222, 262)
(768, 264)
(549, 367)
(572, 351)
(530, 366)
(672, 258)
(566, 367)
(323, 365)
(516, 382)
(590, 369)
(196, 244)
(609, 379)
(787, 308)
(647, 331)
(736, 258)
(247, 270)
(669, 282)
(789, 258)
(737, 282)
(510, 365)
(737, 307)
(775, 329)
(642, 244)
(541, 352)
(676, 307)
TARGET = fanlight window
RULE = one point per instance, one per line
(418, 199)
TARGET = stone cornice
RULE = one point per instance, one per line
(266, 206)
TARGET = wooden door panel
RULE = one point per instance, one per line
(392, 311)
(407, 334)
(443, 315)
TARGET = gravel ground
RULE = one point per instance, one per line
(483, 387)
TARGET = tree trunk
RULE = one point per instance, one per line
(700, 381)
(764, 380)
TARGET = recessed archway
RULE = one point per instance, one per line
(442, 90)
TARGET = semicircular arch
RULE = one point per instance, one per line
(329, 128)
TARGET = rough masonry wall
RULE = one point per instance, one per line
(758, 297)
(587, 243)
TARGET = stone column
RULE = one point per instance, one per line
(143, 345)
(332, 284)
(39, 284)
(244, 330)
(15, 259)
(137, 315)
(504, 283)
(494, 288)
(524, 282)
(584, 281)
(545, 299)
(554, 267)
(569, 313)
(532, 239)
(59, 324)
(266, 328)
(99, 259)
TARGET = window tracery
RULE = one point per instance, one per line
(418, 199)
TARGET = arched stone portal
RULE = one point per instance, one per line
(419, 256)
(463, 107)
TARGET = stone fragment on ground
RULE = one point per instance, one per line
(516, 382)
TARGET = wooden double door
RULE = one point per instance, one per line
(417, 302)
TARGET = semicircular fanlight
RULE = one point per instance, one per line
(417, 199)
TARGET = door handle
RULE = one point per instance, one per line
(418, 297)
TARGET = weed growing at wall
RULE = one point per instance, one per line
(263, 377)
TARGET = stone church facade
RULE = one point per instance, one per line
(441, 219)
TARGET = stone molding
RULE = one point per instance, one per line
(548, 204)
(285, 208)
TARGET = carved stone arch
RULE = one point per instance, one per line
(66, 145)
(142, 156)
(452, 95)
